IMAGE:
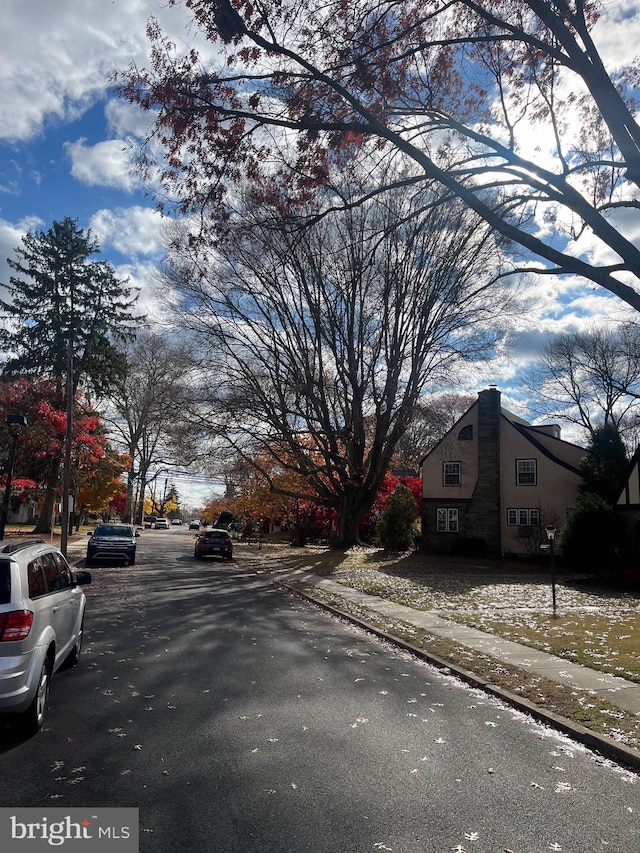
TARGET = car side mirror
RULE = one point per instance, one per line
(83, 578)
(137, 534)
(90, 533)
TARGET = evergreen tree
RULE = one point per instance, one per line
(65, 316)
(395, 528)
(603, 468)
(59, 298)
(591, 536)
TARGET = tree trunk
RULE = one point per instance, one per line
(355, 504)
(43, 524)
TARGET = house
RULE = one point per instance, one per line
(494, 482)
(628, 505)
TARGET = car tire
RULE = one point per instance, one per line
(132, 561)
(88, 561)
(197, 555)
(33, 717)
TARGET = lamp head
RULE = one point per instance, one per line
(551, 532)
(16, 424)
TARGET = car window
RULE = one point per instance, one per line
(5, 582)
(217, 534)
(113, 530)
(50, 573)
(55, 580)
(64, 571)
(37, 583)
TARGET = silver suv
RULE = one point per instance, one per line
(41, 624)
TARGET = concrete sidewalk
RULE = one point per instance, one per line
(617, 691)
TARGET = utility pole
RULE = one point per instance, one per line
(66, 473)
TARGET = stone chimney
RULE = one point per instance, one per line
(483, 515)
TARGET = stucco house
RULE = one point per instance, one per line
(494, 482)
(628, 505)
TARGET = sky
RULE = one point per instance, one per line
(67, 143)
(67, 148)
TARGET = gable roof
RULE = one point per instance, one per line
(448, 432)
(633, 469)
(524, 428)
(529, 432)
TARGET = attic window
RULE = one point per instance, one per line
(466, 433)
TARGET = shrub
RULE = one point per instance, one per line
(396, 527)
(592, 536)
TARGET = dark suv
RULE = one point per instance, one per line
(112, 542)
(41, 623)
(213, 541)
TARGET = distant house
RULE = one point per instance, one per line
(628, 504)
(494, 482)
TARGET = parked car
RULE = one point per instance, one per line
(162, 523)
(176, 521)
(194, 524)
(113, 542)
(213, 542)
(42, 610)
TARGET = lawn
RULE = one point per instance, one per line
(595, 626)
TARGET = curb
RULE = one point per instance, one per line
(602, 744)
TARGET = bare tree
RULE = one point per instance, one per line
(147, 411)
(590, 378)
(508, 104)
(322, 341)
(432, 417)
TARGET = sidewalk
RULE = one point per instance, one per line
(616, 691)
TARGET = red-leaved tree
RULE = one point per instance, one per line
(508, 104)
(41, 444)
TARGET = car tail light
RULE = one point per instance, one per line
(15, 625)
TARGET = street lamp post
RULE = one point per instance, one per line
(16, 424)
(551, 535)
(132, 495)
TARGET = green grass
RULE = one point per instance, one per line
(609, 643)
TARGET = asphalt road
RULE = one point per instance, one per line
(239, 719)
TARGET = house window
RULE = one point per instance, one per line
(451, 473)
(523, 517)
(466, 433)
(526, 473)
(446, 520)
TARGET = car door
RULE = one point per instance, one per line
(63, 604)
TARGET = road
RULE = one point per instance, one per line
(240, 719)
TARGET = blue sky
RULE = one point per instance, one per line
(66, 140)
(65, 150)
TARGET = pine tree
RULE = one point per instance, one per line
(605, 464)
(60, 298)
(65, 316)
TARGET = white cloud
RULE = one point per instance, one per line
(613, 34)
(126, 120)
(133, 231)
(142, 277)
(58, 57)
(109, 164)
(11, 235)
